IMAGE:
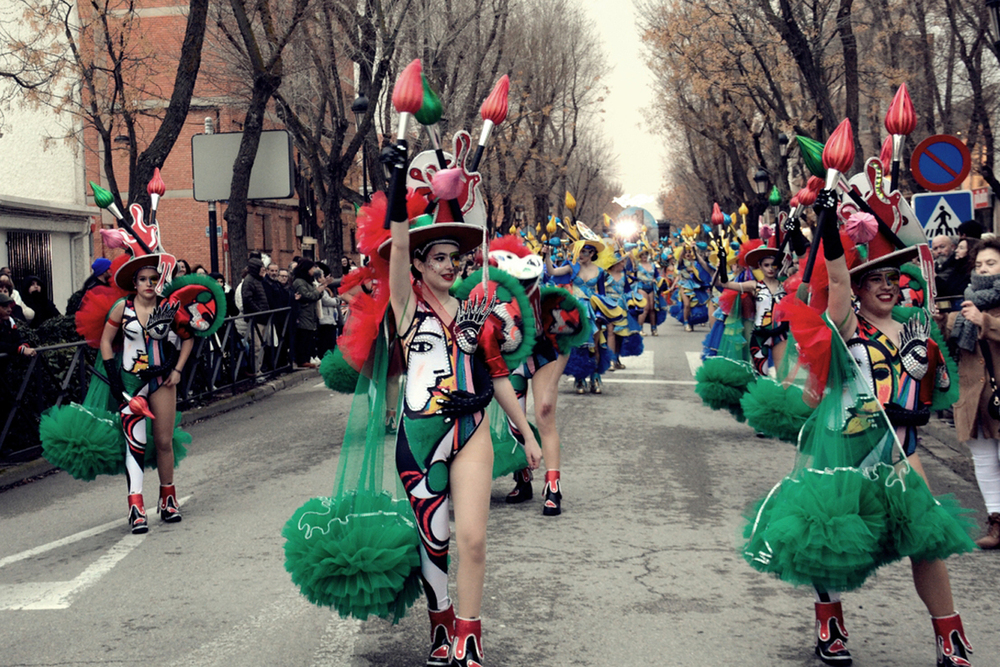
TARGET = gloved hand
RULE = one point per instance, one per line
(394, 159)
(112, 373)
(826, 199)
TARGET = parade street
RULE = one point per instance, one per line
(642, 567)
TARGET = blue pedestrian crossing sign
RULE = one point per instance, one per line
(942, 212)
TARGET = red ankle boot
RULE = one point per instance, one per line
(468, 643)
(442, 636)
(953, 649)
(137, 514)
(831, 636)
(168, 509)
(522, 487)
(552, 494)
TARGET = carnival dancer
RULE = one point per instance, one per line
(650, 286)
(859, 497)
(621, 286)
(561, 324)
(146, 368)
(587, 283)
(768, 338)
(693, 282)
(443, 447)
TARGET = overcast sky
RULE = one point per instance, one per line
(640, 155)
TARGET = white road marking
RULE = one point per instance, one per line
(616, 380)
(641, 365)
(694, 361)
(59, 594)
(336, 647)
(76, 537)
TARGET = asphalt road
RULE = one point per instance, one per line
(641, 568)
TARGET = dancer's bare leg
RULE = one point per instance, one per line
(163, 404)
(470, 478)
(545, 389)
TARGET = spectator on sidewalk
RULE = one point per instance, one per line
(100, 277)
(948, 276)
(18, 310)
(255, 301)
(10, 338)
(308, 289)
(970, 229)
(182, 268)
(329, 317)
(232, 309)
(974, 330)
(38, 300)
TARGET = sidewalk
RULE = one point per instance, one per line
(17, 474)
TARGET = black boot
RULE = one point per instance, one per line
(831, 637)
(442, 636)
(522, 487)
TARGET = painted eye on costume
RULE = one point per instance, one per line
(421, 346)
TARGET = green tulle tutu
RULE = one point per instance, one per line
(776, 411)
(508, 453)
(87, 442)
(722, 382)
(337, 373)
(852, 502)
(356, 553)
(833, 528)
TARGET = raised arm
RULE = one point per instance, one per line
(400, 288)
(838, 309)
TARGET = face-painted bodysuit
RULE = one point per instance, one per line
(427, 443)
(143, 347)
(766, 334)
(879, 360)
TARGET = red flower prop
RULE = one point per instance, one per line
(838, 153)
(156, 185)
(495, 106)
(408, 94)
(717, 217)
(901, 118)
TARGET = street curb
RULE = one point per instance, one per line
(252, 395)
(17, 474)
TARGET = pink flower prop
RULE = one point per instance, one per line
(766, 232)
(861, 227)
(447, 183)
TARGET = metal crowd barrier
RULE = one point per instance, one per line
(222, 363)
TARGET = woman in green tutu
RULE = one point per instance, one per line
(895, 359)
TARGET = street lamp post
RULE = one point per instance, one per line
(761, 181)
(360, 108)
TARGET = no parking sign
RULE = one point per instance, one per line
(940, 162)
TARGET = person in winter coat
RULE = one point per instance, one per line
(255, 301)
(37, 299)
(978, 325)
(306, 294)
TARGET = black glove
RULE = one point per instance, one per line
(461, 402)
(826, 204)
(394, 159)
(112, 372)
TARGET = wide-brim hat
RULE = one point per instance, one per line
(582, 243)
(754, 257)
(125, 274)
(892, 260)
(423, 231)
